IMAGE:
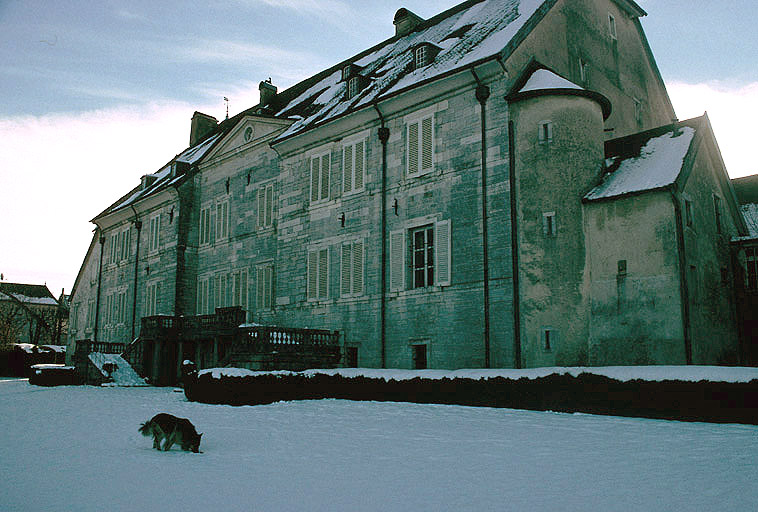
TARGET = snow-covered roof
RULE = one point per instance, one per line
(544, 79)
(750, 214)
(163, 178)
(469, 33)
(647, 161)
(27, 293)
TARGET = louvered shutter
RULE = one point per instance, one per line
(359, 159)
(313, 275)
(346, 266)
(259, 287)
(325, 161)
(413, 148)
(358, 268)
(269, 292)
(397, 260)
(261, 207)
(347, 169)
(427, 144)
(442, 253)
(315, 173)
(269, 204)
(323, 274)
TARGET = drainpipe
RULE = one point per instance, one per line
(384, 135)
(683, 289)
(482, 94)
(99, 285)
(138, 225)
(514, 248)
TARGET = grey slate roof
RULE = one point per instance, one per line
(27, 293)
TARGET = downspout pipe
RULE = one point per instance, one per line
(482, 94)
(514, 247)
(384, 135)
(683, 288)
(138, 226)
(99, 286)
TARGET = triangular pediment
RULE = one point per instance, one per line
(249, 131)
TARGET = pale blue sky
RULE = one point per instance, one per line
(95, 94)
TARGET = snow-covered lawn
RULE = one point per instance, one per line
(77, 448)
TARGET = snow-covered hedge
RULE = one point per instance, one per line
(564, 391)
(53, 375)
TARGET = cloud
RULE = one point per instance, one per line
(731, 109)
(233, 52)
(333, 11)
(60, 170)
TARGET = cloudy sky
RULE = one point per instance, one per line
(95, 94)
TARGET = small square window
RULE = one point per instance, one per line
(548, 339)
(612, 26)
(545, 133)
(549, 227)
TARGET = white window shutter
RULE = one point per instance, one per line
(323, 274)
(413, 133)
(359, 160)
(269, 204)
(442, 253)
(346, 264)
(358, 268)
(325, 161)
(397, 260)
(347, 169)
(313, 275)
(427, 144)
(261, 207)
(315, 173)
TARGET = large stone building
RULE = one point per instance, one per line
(502, 185)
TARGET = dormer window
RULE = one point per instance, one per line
(346, 72)
(353, 86)
(421, 57)
(424, 54)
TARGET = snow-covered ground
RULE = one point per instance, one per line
(77, 448)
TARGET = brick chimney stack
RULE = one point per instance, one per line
(267, 92)
(202, 125)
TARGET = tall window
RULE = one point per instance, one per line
(318, 274)
(205, 225)
(420, 145)
(264, 287)
(352, 269)
(422, 257)
(155, 232)
(583, 70)
(426, 250)
(266, 206)
(353, 86)
(152, 298)
(239, 288)
(222, 219)
(612, 26)
(221, 290)
(203, 296)
(320, 166)
(353, 165)
(549, 227)
(688, 213)
(90, 321)
(549, 337)
(120, 246)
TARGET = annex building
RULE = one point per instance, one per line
(502, 185)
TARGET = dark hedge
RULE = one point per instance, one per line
(61, 376)
(718, 402)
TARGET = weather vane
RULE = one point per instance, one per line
(226, 100)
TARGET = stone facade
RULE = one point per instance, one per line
(371, 222)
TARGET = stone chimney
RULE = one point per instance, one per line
(202, 125)
(268, 92)
(405, 22)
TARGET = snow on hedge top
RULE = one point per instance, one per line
(545, 79)
(466, 36)
(621, 373)
(657, 165)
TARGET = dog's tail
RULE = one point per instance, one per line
(145, 429)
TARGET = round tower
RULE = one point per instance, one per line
(557, 145)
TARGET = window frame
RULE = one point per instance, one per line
(400, 264)
(751, 268)
(718, 214)
(317, 273)
(349, 152)
(207, 225)
(204, 295)
(352, 268)
(264, 287)
(154, 244)
(549, 224)
(545, 132)
(417, 154)
(421, 56)
(612, 27)
(321, 156)
(222, 205)
(152, 295)
(265, 205)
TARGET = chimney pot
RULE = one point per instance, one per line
(267, 92)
